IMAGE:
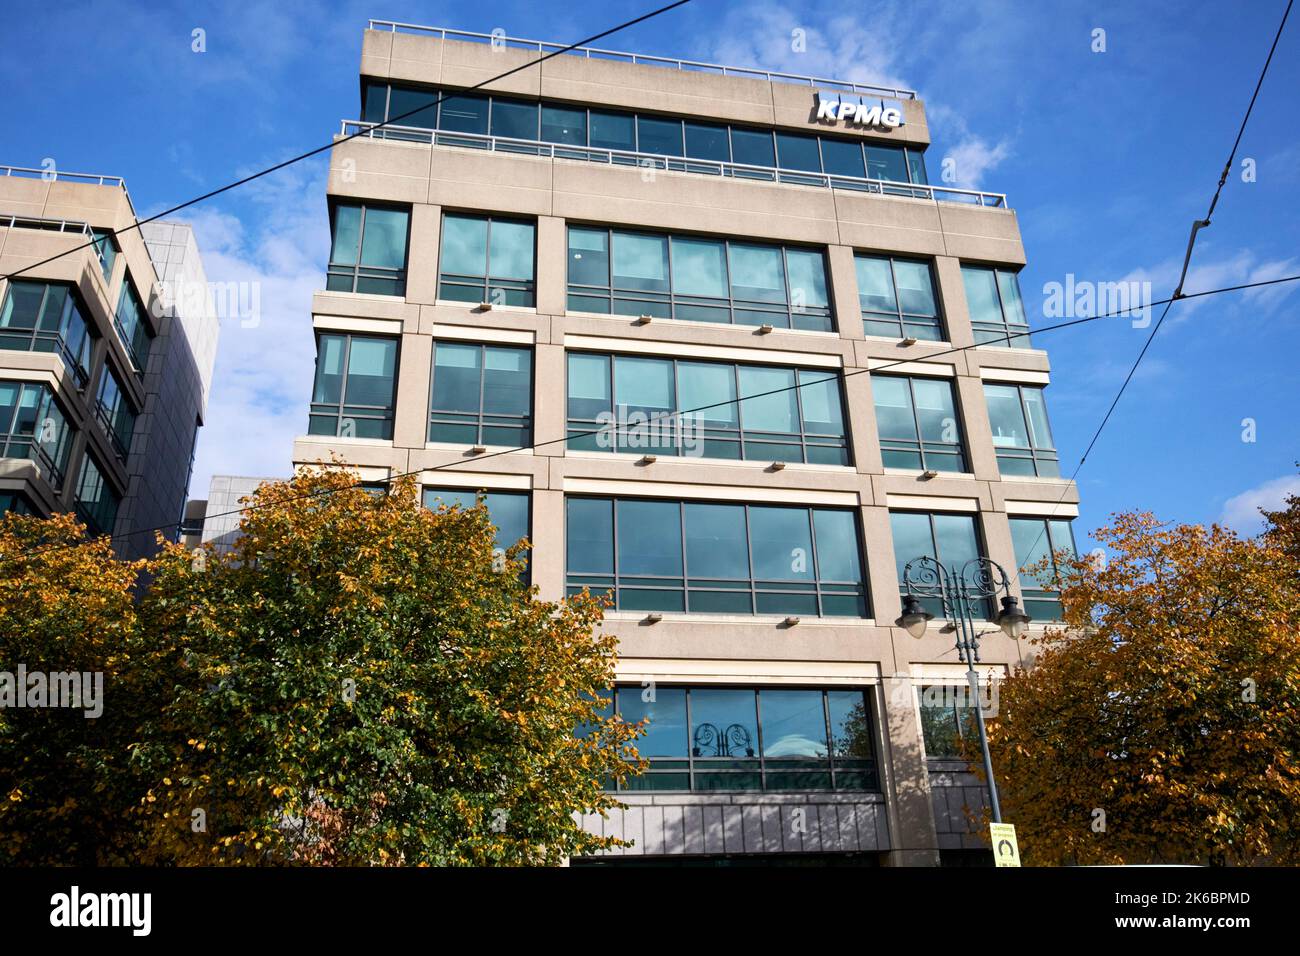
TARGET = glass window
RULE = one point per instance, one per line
(707, 141)
(613, 131)
(46, 317)
(368, 251)
(666, 740)
(710, 739)
(897, 298)
(796, 151)
(563, 125)
(115, 412)
(946, 719)
(132, 327)
(96, 501)
(481, 394)
(1021, 435)
(997, 313)
(950, 539)
(464, 114)
(374, 102)
(887, 163)
(697, 279)
(407, 107)
(639, 410)
(843, 158)
(753, 147)
(507, 510)
(1036, 540)
(917, 422)
(106, 250)
(484, 259)
(640, 261)
(514, 120)
(355, 386)
(738, 559)
(661, 137)
(33, 426)
(589, 284)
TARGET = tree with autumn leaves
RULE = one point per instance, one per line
(361, 681)
(1161, 724)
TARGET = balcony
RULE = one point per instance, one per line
(616, 157)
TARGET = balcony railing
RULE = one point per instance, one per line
(593, 53)
(70, 226)
(56, 175)
(618, 157)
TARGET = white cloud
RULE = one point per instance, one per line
(1209, 271)
(1241, 512)
(262, 381)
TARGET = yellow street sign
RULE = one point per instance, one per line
(1006, 852)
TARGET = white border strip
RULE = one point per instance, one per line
(932, 503)
(712, 671)
(662, 489)
(595, 343)
(1048, 509)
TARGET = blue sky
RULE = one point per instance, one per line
(1107, 157)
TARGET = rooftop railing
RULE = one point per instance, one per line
(48, 225)
(618, 157)
(56, 175)
(499, 39)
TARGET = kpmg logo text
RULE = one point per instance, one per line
(859, 110)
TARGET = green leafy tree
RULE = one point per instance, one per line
(1161, 725)
(66, 608)
(365, 682)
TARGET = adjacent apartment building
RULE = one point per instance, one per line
(559, 264)
(106, 356)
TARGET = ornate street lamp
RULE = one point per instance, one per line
(979, 579)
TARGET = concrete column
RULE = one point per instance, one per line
(549, 399)
(981, 457)
(422, 254)
(903, 776)
(415, 360)
(863, 433)
(843, 280)
(552, 265)
(882, 575)
(952, 296)
(548, 543)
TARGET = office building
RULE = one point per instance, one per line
(562, 262)
(104, 367)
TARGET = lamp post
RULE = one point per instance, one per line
(979, 578)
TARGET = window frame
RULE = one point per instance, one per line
(354, 273)
(92, 517)
(1005, 334)
(139, 343)
(489, 283)
(108, 415)
(739, 436)
(937, 322)
(938, 606)
(1035, 596)
(694, 765)
(1036, 455)
(481, 418)
(821, 589)
(921, 444)
(16, 445)
(666, 304)
(78, 365)
(335, 410)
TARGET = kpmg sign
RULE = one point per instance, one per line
(857, 110)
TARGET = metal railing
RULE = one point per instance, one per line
(47, 225)
(56, 175)
(499, 39)
(618, 157)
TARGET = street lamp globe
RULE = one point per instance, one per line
(914, 617)
(1011, 619)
